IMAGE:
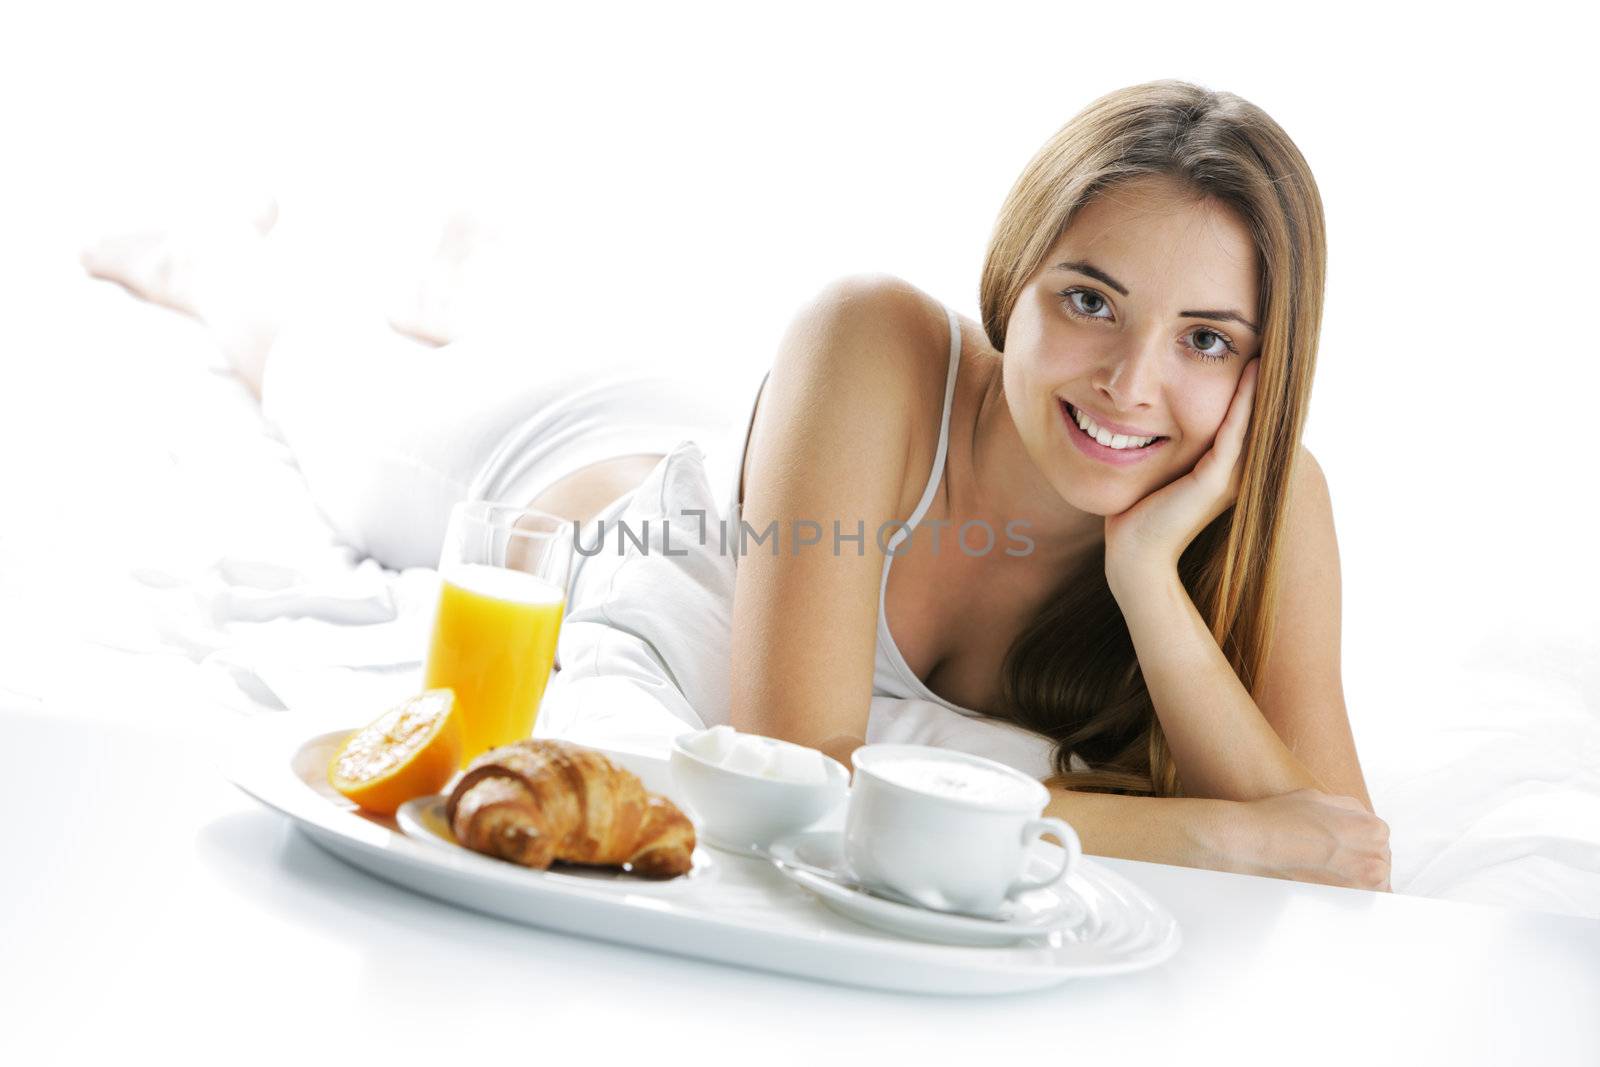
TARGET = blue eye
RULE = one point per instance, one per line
(1208, 352)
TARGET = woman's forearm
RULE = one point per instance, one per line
(1223, 746)
(1182, 831)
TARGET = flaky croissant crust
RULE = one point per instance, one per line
(536, 801)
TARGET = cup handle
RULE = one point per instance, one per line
(1073, 851)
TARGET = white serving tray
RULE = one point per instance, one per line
(740, 911)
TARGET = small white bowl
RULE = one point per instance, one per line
(742, 812)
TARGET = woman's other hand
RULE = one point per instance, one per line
(1155, 531)
(1311, 836)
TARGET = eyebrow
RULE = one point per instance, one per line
(1085, 267)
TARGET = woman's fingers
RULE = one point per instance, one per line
(1229, 444)
(1238, 420)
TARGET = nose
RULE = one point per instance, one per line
(1130, 380)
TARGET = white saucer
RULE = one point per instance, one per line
(424, 819)
(815, 861)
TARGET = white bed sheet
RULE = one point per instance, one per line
(160, 558)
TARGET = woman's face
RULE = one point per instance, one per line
(1142, 319)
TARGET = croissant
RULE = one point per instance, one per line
(536, 801)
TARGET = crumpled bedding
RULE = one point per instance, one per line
(173, 561)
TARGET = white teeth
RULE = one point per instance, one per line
(1106, 437)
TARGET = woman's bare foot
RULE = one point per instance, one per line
(468, 283)
(217, 269)
(161, 264)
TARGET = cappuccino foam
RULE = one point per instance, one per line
(957, 780)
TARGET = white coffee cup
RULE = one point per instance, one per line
(948, 830)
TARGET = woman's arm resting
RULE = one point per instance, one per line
(1304, 835)
(1300, 691)
(1222, 745)
(1182, 831)
(1226, 744)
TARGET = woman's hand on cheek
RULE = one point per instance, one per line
(1153, 533)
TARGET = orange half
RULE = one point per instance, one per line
(409, 751)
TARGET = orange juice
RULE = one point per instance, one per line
(494, 643)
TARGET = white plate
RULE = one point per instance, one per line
(424, 819)
(815, 861)
(746, 914)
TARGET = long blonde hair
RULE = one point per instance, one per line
(1073, 673)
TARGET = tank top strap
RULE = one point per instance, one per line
(944, 424)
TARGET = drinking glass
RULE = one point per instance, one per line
(502, 593)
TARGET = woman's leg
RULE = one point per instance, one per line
(390, 433)
(387, 433)
(223, 271)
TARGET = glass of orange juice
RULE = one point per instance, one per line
(502, 593)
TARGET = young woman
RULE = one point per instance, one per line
(1164, 608)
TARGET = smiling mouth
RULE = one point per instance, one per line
(1072, 420)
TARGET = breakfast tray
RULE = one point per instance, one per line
(733, 908)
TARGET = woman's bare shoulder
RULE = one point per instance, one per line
(910, 322)
(920, 360)
(872, 343)
(907, 335)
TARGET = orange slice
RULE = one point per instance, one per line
(409, 751)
